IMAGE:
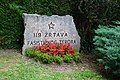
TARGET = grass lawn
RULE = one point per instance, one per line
(14, 66)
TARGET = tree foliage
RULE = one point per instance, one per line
(88, 14)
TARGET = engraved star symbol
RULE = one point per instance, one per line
(51, 25)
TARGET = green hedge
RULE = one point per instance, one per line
(11, 22)
(10, 26)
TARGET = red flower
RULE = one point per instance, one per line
(55, 52)
(55, 48)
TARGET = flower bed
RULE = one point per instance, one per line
(53, 52)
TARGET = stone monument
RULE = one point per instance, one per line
(58, 29)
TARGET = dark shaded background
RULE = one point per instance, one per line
(87, 14)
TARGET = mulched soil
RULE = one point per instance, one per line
(86, 62)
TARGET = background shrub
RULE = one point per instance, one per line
(87, 14)
(11, 28)
(11, 22)
(107, 44)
